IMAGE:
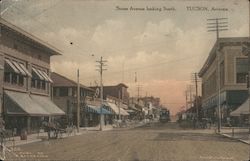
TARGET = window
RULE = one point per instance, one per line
(70, 92)
(43, 85)
(38, 84)
(14, 73)
(33, 83)
(7, 77)
(14, 78)
(241, 70)
(21, 80)
(56, 91)
(63, 91)
(39, 79)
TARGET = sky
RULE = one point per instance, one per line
(163, 46)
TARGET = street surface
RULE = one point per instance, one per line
(151, 142)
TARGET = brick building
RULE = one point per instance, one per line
(117, 91)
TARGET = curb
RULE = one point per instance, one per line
(232, 138)
(84, 131)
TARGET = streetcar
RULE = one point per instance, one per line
(164, 115)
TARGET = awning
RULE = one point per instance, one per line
(12, 66)
(123, 112)
(25, 69)
(17, 103)
(130, 111)
(113, 107)
(42, 75)
(46, 76)
(98, 110)
(242, 109)
(19, 68)
(38, 74)
(48, 105)
(116, 109)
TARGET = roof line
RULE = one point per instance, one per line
(81, 85)
(54, 50)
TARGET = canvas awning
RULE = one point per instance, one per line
(38, 74)
(98, 110)
(123, 112)
(17, 103)
(19, 68)
(113, 107)
(25, 69)
(242, 109)
(116, 109)
(12, 66)
(48, 105)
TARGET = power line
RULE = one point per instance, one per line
(217, 25)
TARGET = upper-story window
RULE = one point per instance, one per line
(15, 72)
(63, 91)
(241, 70)
(70, 92)
(39, 79)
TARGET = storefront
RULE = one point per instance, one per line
(27, 111)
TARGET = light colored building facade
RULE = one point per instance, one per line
(25, 82)
(225, 72)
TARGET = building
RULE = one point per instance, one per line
(65, 96)
(117, 91)
(25, 82)
(224, 72)
(155, 101)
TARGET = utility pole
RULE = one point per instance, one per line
(217, 25)
(195, 79)
(186, 93)
(78, 102)
(190, 95)
(119, 105)
(101, 64)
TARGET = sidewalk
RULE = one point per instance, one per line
(31, 138)
(237, 133)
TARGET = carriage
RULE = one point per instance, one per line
(56, 130)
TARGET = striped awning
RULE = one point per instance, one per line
(98, 110)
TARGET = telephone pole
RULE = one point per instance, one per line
(196, 80)
(101, 64)
(78, 102)
(217, 25)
